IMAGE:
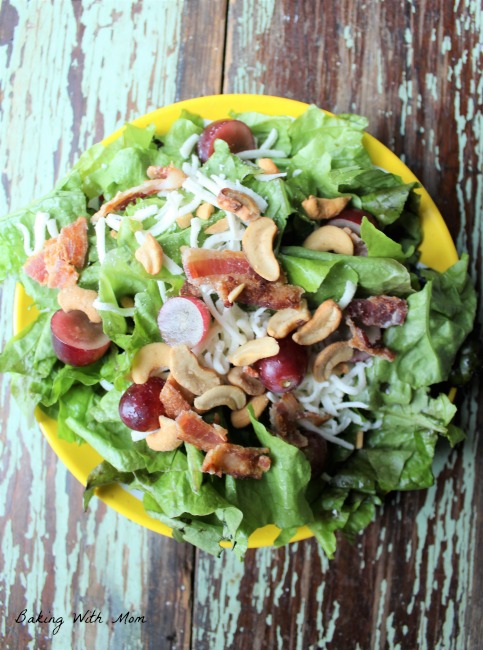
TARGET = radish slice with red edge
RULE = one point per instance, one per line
(184, 320)
(352, 218)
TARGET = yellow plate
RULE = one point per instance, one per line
(438, 252)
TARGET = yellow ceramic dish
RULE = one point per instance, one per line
(438, 252)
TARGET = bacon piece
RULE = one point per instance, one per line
(123, 199)
(239, 462)
(223, 271)
(175, 399)
(55, 265)
(200, 264)
(285, 416)
(162, 179)
(381, 311)
(73, 244)
(61, 274)
(35, 268)
(189, 289)
(361, 341)
(193, 429)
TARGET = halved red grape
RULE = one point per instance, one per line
(352, 218)
(140, 406)
(76, 340)
(286, 370)
(184, 320)
(237, 134)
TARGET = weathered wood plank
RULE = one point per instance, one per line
(412, 578)
(72, 73)
(202, 49)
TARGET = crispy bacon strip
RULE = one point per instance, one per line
(123, 199)
(35, 268)
(161, 180)
(361, 341)
(193, 429)
(285, 416)
(201, 264)
(239, 462)
(223, 271)
(381, 311)
(55, 265)
(174, 399)
(73, 243)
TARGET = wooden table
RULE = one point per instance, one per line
(73, 71)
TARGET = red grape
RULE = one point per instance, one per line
(237, 134)
(352, 218)
(76, 340)
(184, 320)
(140, 406)
(286, 370)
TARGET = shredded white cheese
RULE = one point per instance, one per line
(106, 385)
(171, 266)
(162, 290)
(249, 154)
(115, 309)
(187, 146)
(269, 177)
(139, 435)
(168, 214)
(270, 140)
(195, 231)
(52, 228)
(114, 221)
(145, 213)
(349, 292)
(100, 229)
(26, 238)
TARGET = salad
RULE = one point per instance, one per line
(235, 317)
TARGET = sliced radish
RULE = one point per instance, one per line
(184, 320)
(352, 218)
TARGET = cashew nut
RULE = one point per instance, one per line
(239, 203)
(254, 350)
(205, 211)
(326, 319)
(241, 418)
(268, 166)
(257, 245)
(166, 437)
(249, 385)
(219, 226)
(234, 293)
(230, 396)
(329, 358)
(320, 208)
(153, 356)
(150, 255)
(188, 372)
(185, 220)
(330, 238)
(75, 298)
(286, 320)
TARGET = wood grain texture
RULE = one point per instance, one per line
(73, 71)
(415, 71)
